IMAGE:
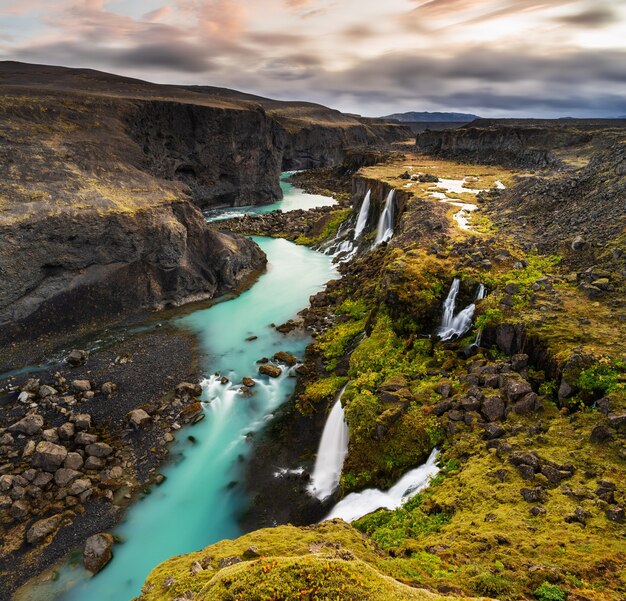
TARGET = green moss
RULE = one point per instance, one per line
(329, 229)
(331, 560)
(393, 530)
(603, 377)
(549, 592)
(324, 388)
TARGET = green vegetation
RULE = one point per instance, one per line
(549, 592)
(331, 224)
(327, 561)
(605, 376)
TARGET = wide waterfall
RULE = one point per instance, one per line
(358, 504)
(454, 326)
(385, 223)
(361, 221)
(331, 453)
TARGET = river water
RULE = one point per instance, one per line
(199, 501)
(293, 199)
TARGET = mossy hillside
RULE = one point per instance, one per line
(473, 529)
(331, 560)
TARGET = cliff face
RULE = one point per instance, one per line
(62, 271)
(225, 156)
(521, 143)
(506, 146)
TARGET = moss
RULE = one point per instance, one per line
(323, 389)
(328, 561)
(331, 225)
(549, 592)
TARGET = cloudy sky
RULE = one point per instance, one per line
(491, 57)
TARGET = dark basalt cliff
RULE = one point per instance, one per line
(226, 156)
(518, 143)
(62, 271)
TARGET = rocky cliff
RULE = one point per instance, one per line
(61, 271)
(227, 156)
(519, 143)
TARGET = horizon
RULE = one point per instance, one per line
(495, 58)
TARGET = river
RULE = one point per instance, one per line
(199, 501)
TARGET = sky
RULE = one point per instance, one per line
(543, 58)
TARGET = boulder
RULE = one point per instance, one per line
(77, 357)
(82, 421)
(527, 404)
(284, 357)
(49, 456)
(51, 435)
(396, 383)
(46, 391)
(81, 385)
(601, 434)
(493, 431)
(248, 382)
(29, 425)
(66, 431)
(42, 528)
(270, 370)
(109, 388)
(63, 476)
(187, 390)
(534, 495)
(493, 408)
(514, 387)
(138, 418)
(98, 449)
(82, 438)
(579, 243)
(98, 552)
(79, 486)
(73, 461)
(615, 514)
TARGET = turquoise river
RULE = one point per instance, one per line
(199, 501)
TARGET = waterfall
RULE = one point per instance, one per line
(450, 303)
(330, 454)
(358, 504)
(454, 326)
(361, 221)
(385, 223)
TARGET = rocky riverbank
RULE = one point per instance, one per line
(79, 443)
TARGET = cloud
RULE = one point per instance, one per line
(595, 17)
(362, 56)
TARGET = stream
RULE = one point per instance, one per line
(199, 502)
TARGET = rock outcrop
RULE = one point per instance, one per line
(59, 271)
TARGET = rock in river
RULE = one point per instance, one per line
(270, 370)
(98, 551)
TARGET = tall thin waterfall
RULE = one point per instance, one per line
(361, 221)
(385, 223)
(454, 326)
(358, 504)
(331, 453)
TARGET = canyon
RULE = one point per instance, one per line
(416, 390)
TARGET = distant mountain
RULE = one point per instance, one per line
(425, 116)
